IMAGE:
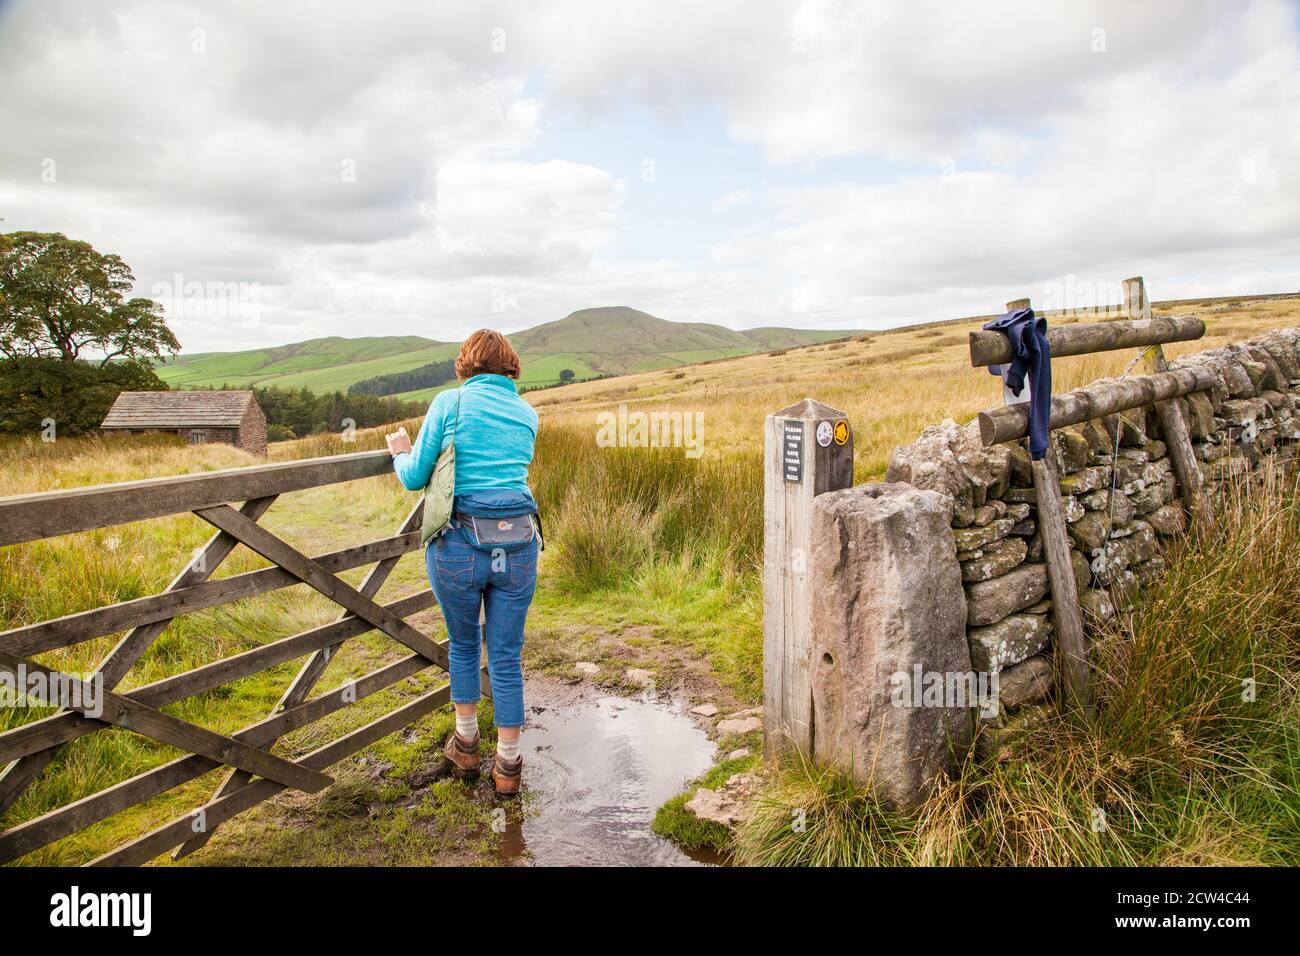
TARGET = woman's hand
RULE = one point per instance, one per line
(398, 442)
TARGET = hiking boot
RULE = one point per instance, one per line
(507, 776)
(463, 755)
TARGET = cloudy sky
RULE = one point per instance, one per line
(278, 171)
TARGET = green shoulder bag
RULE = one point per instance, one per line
(441, 489)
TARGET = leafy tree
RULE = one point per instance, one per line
(59, 298)
(74, 395)
(566, 375)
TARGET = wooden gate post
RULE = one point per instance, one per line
(1072, 666)
(1178, 440)
(808, 451)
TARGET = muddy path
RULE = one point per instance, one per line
(601, 753)
(597, 767)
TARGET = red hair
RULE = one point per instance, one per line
(487, 351)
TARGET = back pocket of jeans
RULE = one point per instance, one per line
(523, 568)
(455, 571)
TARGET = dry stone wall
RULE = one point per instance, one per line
(1121, 502)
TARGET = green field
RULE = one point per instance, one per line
(590, 342)
(424, 394)
(321, 365)
(544, 369)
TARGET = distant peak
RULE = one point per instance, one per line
(607, 310)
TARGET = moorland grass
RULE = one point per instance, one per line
(650, 537)
(674, 822)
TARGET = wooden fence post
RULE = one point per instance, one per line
(1178, 440)
(808, 451)
(1072, 663)
(1073, 669)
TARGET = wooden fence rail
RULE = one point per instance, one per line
(91, 704)
(1098, 400)
(994, 348)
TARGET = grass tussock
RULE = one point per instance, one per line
(1194, 758)
(674, 822)
(614, 512)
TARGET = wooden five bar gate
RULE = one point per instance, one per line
(254, 772)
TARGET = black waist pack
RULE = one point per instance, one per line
(512, 531)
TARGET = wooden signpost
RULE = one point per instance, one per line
(808, 451)
(1011, 423)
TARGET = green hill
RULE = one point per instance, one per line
(590, 342)
(322, 365)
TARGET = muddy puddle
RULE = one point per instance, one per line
(597, 767)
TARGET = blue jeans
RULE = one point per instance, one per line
(466, 576)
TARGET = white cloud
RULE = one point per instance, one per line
(1032, 147)
(1145, 175)
(737, 197)
(363, 151)
(811, 79)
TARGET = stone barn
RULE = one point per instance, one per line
(199, 417)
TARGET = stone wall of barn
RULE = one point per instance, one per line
(252, 430)
(211, 434)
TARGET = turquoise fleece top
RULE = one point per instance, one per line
(494, 442)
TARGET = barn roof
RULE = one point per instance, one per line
(177, 409)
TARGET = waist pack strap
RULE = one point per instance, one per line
(464, 518)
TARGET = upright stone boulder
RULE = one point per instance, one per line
(888, 609)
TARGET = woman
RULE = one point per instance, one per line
(488, 555)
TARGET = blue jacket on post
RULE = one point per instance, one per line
(1028, 336)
